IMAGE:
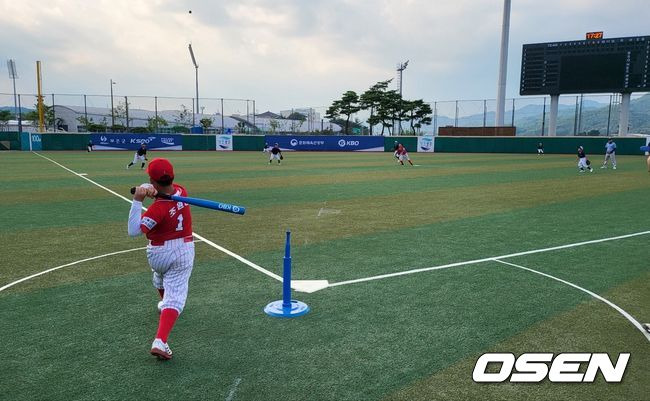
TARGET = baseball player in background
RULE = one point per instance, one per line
(402, 155)
(168, 227)
(583, 163)
(540, 148)
(276, 154)
(610, 153)
(140, 155)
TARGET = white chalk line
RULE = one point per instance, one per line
(70, 264)
(490, 259)
(67, 265)
(611, 304)
(207, 241)
(233, 389)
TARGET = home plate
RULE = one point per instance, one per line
(309, 286)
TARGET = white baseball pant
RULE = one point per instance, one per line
(172, 265)
(582, 163)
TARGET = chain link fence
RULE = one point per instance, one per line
(577, 115)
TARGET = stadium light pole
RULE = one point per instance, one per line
(400, 70)
(112, 108)
(196, 70)
(13, 74)
(503, 64)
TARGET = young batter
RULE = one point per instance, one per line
(168, 227)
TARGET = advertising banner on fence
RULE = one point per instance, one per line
(224, 142)
(426, 143)
(31, 141)
(328, 143)
(133, 141)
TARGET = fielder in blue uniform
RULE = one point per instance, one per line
(610, 153)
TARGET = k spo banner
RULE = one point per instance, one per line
(426, 143)
(328, 143)
(133, 141)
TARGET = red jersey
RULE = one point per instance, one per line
(167, 219)
(401, 150)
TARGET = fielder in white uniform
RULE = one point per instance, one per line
(168, 226)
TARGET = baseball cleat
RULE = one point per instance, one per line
(646, 326)
(614, 168)
(603, 166)
(161, 349)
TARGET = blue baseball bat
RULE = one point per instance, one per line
(223, 207)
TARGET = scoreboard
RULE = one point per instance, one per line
(595, 65)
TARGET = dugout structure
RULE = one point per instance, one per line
(593, 65)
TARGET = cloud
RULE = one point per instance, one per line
(290, 53)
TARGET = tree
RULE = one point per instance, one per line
(389, 109)
(371, 99)
(154, 123)
(5, 116)
(184, 116)
(346, 106)
(49, 118)
(86, 122)
(206, 122)
(418, 113)
(241, 127)
(274, 125)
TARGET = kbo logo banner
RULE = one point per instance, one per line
(328, 143)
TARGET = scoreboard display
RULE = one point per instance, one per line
(595, 65)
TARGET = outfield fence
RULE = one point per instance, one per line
(560, 145)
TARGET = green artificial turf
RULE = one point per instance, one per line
(83, 332)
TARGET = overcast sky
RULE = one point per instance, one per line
(289, 53)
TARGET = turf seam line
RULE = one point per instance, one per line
(207, 241)
(490, 259)
(611, 304)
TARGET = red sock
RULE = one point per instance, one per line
(161, 291)
(168, 317)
